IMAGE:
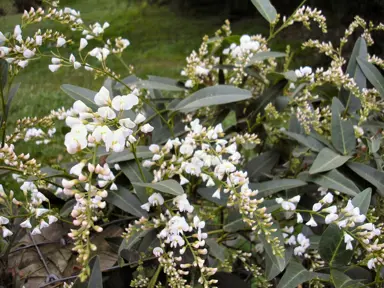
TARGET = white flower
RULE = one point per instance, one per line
(60, 42)
(83, 44)
(299, 218)
(176, 240)
(6, 232)
(36, 231)
(182, 203)
(157, 251)
(331, 218)
(186, 149)
(156, 199)
(28, 53)
(3, 220)
(54, 67)
(311, 222)
(146, 128)
(16, 31)
(216, 194)
(38, 40)
(43, 224)
(120, 103)
(23, 63)
(322, 190)
(55, 60)
(26, 224)
(102, 97)
(330, 210)
(76, 140)
(80, 107)
(139, 118)
(348, 240)
(188, 84)
(52, 219)
(146, 207)
(2, 37)
(316, 207)
(76, 65)
(77, 169)
(106, 112)
(328, 198)
(154, 148)
(371, 263)
(303, 71)
(127, 123)
(41, 211)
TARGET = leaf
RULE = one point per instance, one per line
(229, 120)
(261, 56)
(274, 264)
(126, 201)
(216, 250)
(95, 279)
(340, 280)
(82, 94)
(234, 223)
(268, 96)
(135, 238)
(167, 186)
(295, 275)
(327, 160)
(141, 152)
(307, 141)
(161, 83)
(363, 200)
(207, 193)
(214, 95)
(373, 75)
(3, 73)
(332, 247)
(262, 164)
(266, 9)
(11, 94)
(333, 180)
(67, 208)
(132, 172)
(268, 188)
(354, 71)
(129, 81)
(370, 174)
(342, 133)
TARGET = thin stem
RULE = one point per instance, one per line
(154, 277)
(40, 255)
(133, 148)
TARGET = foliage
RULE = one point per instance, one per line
(245, 171)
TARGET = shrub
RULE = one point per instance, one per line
(247, 171)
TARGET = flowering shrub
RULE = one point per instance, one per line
(254, 172)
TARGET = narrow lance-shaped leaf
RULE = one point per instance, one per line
(266, 9)
(216, 250)
(261, 56)
(132, 172)
(78, 93)
(373, 75)
(214, 95)
(141, 152)
(307, 141)
(354, 71)
(268, 188)
(268, 96)
(370, 174)
(342, 133)
(340, 280)
(363, 200)
(167, 186)
(262, 164)
(327, 160)
(126, 201)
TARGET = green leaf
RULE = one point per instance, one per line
(268, 188)
(307, 141)
(274, 264)
(95, 279)
(327, 160)
(161, 83)
(167, 186)
(342, 134)
(229, 120)
(370, 174)
(340, 280)
(3, 73)
(354, 71)
(332, 247)
(262, 164)
(132, 172)
(234, 223)
(295, 275)
(333, 180)
(82, 94)
(135, 238)
(216, 250)
(11, 94)
(126, 201)
(214, 95)
(67, 208)
(207, 193)
(261, 56)
(141, 152)
(362, 200)
(129, 81)
(373, 75)
(266, 9)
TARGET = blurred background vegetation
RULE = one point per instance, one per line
(162, 33)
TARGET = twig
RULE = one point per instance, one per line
(40, 255)
(33, 245)
(105, 270)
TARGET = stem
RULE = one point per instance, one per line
(133, 148)
(40, 255)
(4, 119)
(154, 277)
